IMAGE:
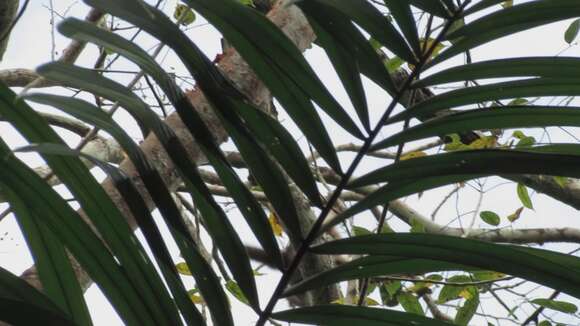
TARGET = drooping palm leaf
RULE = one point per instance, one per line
(24, 305)
(499, 117)
(56, 274)
(247, 204)
(98, 206)
(215, 219)
(542, 266)
(511, 20)
(342, 315)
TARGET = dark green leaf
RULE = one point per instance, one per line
(572, 31)
(340, 315)
(54, 268)
(492, 92)
(216, 220)
(524, 197)
(369, 267)
(278, 62)
(370, 19)
(435, 7)
(410, 303)
(343, 55)
(223, 96)
(404, 18)
(550, 159)
(280, 143)
(541, 268)
(250, 209)
(336, 31)
(562, 306)
(552, 67)
(483, 4)
(467, 310)
(490, 218)
(140, 211)
(508, 21)
(97, 204)
(393, 191)
(501, 118)
(68, 226)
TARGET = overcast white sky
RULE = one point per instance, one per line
(31, 44)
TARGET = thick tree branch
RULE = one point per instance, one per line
(291, 21)
(28, 78)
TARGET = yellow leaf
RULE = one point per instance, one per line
(196, 299)
(484, 142)
(371, 302)
(411, 155)
(338, 301)
(235, 290)
(507, 4)
(516, 215)
(183, 269)
(466, 293)
(275, 224)
(184, 15)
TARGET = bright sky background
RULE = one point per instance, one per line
(31, 44)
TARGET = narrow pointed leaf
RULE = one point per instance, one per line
(206, 279)
(249, 207)
(16, 312)
(370, 267)
(280, 143)
(553, 67)
(485, 161)
(134, 201)
(24, 305)
(217, 222)
(247, 30)
(393, 191)
(96, 203)
(267, 174)
(297, 105)
(54, 268)
(342, 57)
(469, 252)
(483, 4)
(434, 7)
(378, 26)
(501, 118)
(401, 11)
(415, 180)
(508, 21)
(492, 92)
(68, 226)
(224, 97)
(342, 315)
(335, 30)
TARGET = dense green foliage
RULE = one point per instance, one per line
(116, 260)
